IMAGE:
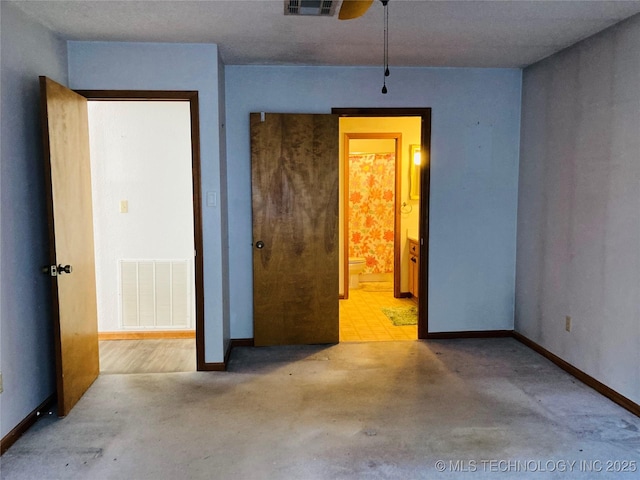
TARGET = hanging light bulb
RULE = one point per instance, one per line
(385, 4)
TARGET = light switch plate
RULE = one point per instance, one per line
(124, 206)
(212, 199)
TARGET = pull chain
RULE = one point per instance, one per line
(385, 3)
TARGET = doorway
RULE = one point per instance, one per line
(379, 216)
(372, 209)
(148, 230)
(417, 200)
(274, 189)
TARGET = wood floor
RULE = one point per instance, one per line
(147, 356)
(361, 320)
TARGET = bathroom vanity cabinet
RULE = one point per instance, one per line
(414, 267)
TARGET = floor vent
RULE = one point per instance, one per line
(317, 8)
(155, 294)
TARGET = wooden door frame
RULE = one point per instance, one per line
(397, 263)
(177, 96)
(425, 179)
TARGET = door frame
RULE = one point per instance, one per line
(397, 263)
(425, 180)
(190, 96)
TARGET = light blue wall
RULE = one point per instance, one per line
(226, 333)
(474, 175)
(578, 217)
(154, 66)
(26, 342)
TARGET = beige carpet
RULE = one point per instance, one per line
(353, 411)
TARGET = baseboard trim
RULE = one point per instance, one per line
(217, 366)
(212, 367)
(585, 378)
(147, 335)
(222, 366)
(227, 353)
(470, 334)
(342, 296)
(19, 430)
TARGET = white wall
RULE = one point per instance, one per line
(26, 336)
(579, 196)
(164, 66)
(141, 154)
(474, 175)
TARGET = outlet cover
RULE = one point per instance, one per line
(567, 323)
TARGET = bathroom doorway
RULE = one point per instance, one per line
(387, 215)
(372, 210)
(423, 176)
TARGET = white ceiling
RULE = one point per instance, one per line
(472, 33)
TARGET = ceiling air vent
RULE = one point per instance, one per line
(316, 8)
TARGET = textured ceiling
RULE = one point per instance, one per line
(472, 33)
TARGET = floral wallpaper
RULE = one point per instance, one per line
(371, 206)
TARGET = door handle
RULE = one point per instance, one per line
(259, 244)
(55, 271)
(64, 269)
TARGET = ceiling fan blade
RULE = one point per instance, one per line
(353, 9)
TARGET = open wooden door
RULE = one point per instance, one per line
(72, 261)
(294, 180)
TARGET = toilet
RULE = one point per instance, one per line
(356, 266)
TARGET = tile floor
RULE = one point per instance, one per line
(362, 320)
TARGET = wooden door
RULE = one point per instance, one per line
(67, 167)
(294, 180)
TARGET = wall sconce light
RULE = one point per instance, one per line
(415, 154)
